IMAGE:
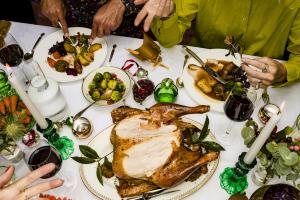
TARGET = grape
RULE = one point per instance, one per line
(240, 75)
(288, 140)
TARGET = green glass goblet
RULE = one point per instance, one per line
(166, 91)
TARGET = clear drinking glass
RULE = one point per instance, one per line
(45, 93)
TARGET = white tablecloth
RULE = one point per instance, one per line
(26, 35)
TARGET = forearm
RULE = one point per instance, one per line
(170, 32)
(293, 69)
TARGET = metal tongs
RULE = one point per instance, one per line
(151, 194)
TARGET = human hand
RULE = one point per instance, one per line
(151, 9)
(20, 190)
(55, 11)
(269, 71)
(108, 18)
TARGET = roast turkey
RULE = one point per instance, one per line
(148, 147)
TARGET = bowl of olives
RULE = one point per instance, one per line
(106, 85)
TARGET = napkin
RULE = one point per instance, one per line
(4, 28)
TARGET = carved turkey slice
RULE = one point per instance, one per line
(148, 145)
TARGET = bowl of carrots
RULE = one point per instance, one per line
(13, 110)
(15, 118)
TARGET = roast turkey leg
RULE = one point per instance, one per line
(176, 172)
(165, 112)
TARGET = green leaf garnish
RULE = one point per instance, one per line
(249, 135)
(197, 137)
(212, 146)
(205, 130)
(99, 174)
(88, 152)
(83, 160)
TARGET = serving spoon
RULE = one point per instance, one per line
(29, 54)
(179, 80)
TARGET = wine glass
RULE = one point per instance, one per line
(238, 107)
(43, 153)
(11, 54)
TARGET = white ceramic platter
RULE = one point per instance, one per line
(189, 83)
(101, 143)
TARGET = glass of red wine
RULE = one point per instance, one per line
(238, 108)
(12, 54)
(43, 153)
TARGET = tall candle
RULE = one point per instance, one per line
(262, 138)
(40, 120)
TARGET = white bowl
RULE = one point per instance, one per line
(120, 74)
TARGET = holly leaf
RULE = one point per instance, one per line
(212, 146)
(204, 132)
(99, 174)
(197, 136)
(83, 160)
(88, 152)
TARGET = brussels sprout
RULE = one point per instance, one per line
(103, 84)
(92, 85)
(69, 48)
(112, 84)
(61, 65)
(98, 77)
(107, 75)
(83, 39)
(116, 96)
(96, 95)
(120, 87)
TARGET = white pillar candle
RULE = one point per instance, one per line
(262, 138)
(40, 120)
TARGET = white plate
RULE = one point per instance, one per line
(101, 143)
(120, 74)
(189, 83)
(41, 54)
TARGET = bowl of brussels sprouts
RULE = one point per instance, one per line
(106, 85)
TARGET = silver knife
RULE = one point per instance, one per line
(205, 66)
(147, 196)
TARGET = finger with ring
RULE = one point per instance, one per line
(265, 69)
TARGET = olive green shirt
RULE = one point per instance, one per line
(267, 27)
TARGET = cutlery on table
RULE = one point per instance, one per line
(179, 80)
(205, 66)
(151, 194)
(83, 110)
(29, 54)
